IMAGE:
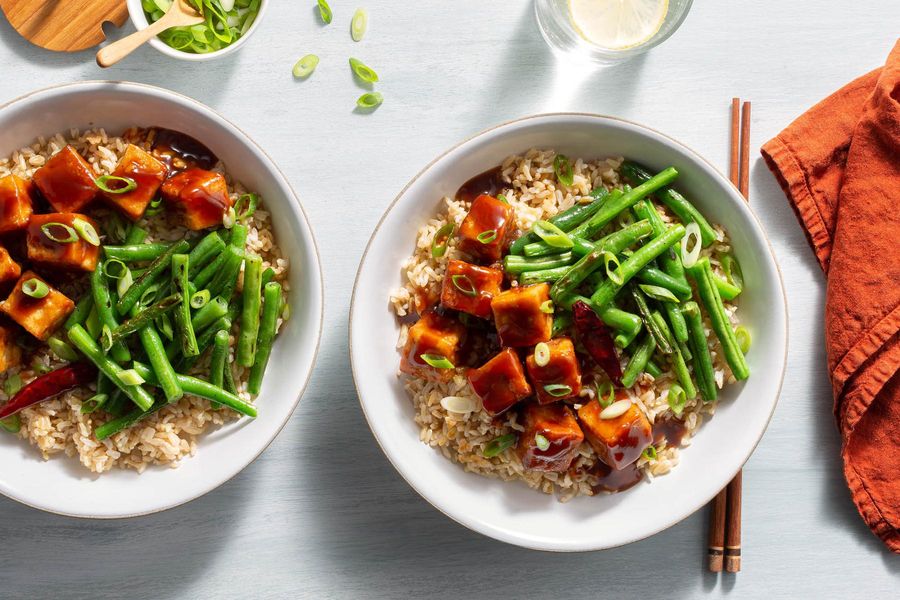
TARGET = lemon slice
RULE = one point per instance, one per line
(618, 24)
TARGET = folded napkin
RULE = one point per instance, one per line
(839, 165)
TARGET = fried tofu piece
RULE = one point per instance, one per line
(436, 337)
(10, 351)
(484, 231)
(559, 434)
(469, 288)
(38, 316)
(79, 254)
(618, 441)
(15, 203)
(147, 172)
(560, 377)
(9, 269)
(519, 318)
(66, 181)
(201, 197)
(500, 382)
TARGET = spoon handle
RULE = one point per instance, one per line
(113, 53)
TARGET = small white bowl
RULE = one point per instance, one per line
(510, 511)
(139, 20)
(61, 485)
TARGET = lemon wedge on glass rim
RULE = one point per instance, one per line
(618, 24)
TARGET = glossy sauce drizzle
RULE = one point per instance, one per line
(490, 182)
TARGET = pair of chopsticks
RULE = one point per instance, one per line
(725, 510)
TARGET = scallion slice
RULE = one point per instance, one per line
(305, 66)
(59, 233)
(743, 338)
(106, 339)
(359, 24)
(610, 259)
(35, 288)
(365, 73)
(502, 198)
(164, 324)
(325, 12)
(245, 206)
(499, 445)
(464, 285)
(149, 296)
(200, 299)
(558, 390)
(689, 257)
(229, 218)
(86, 231)
(154, 208)
(124, 283)
(62, 349)
(659, 293)
(93, 403)
(113, 184)
(732, 269)
(441, 237)
(542, 354)
(486, 237)
(369, 100)
(649, 452)
(676, 399)
(130, 377)
(606, 393)
(12, 423)
(115, 268)
(547, 307)
(563, 169)
(12, 384)
(552, 235)
(541, 442)
(437, 361)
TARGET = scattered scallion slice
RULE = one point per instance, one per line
(149, 295)
(115, 268)
(676, 399)
(541, 442)
(154, 208)
(502, 198)
(437, 361)
(87, 231)
(12, 384)
(93, 403)
(464, 285)
(106, 339)
(245, 206)
(365, 73)
(499, 445)
(12, 424)
(743, 338)
(606, 393)
(552, 235)
(732, 269)
(59, 233)
(62, 349)
(200, 299)
(35, 288)
(130, 377)
(164, 324)
(370, 100)
(542, 354)
(486, 237)
(124, 283)
(229, 218)
(563, 169)
(113, 184)
(305, 66)
(649, 452)
(659, 293)
(689, 257)
(613, 273)
(558, 390)
(38, 366)
(359, 24)
(325, 12)
(547, 307)
(441, 237)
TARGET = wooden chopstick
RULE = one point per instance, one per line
(725, 510)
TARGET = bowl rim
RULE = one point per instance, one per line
(504, 535)
(139, 20)
(294, 201)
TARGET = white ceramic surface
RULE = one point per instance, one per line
(62, 485)
(139, 20)
(511, 512)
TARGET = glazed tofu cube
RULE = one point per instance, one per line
(79, 254)
(147, 172)
(560, 377)
(519, 318)
(470, 288)
(15, 203)
(484, 231)
(9, 269)
(618, 441)
(66, 181)
(201, 197)
(38, 316)
(433, 336)
(559, 434)
(10, 352)
(500, 382)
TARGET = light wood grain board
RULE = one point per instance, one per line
(64, 25)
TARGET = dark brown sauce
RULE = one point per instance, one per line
(489, 182)
(611, 480)
(177, 150)
(670, 430)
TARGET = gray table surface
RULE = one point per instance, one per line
(322, 513)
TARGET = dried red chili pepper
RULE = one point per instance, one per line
(49, 385)
(596, 338)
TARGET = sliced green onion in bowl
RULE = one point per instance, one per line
(86, 231)
(130, 377)
(743, 338)
(62, 349)
(547, 307)
(124, 283)
(563, 170)
(358, 24)
(59, 233)
(659, 293)
(649, 452)
(676, 398)
(325, 12)
(613, 273)
(499, 445)
(558, 390)
(552, 235)
(690, 256)
(93, 403)
(486, 237)
(35, 288)
(305, 66)
(12, 384)
(200, 299)
(441, 237)
(542, 354)
(113, 184)
(541, 442)
(370, 100)
(437, 361)
(365, 73)
(464, 285)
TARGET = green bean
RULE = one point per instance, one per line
(204, 341)
(117, 403)
(566, 220)
(703, 367)
(228, 383)
(608, 289)
(267, 331)
(207, 273)
(702, 274)
(188, 340)
(82, 340)
(267, 276)
(621, 320)
(226, 279)
(674, 201)
(638, 361)
(727, 291)
(82, 310)
(202, 389)
(246, 347)
(544, 276)
(209, 312)
(685, 350)
(654, 276)
(141, 317)
(624, 339)
(678, 363)
(92, 323)
(136, 252)
(561, 322)
(156, 353)
(156, 268)
(238, 236)
(219, 359)
(653, 369)
(121, 423)
(136, 235)
(209, 247)
(103, 302)
(659, 337)
(676, 321)
(519, 264)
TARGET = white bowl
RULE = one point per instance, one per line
(139, 20)
(511, 512)
(61, 485)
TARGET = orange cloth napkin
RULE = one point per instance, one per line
(839, 164)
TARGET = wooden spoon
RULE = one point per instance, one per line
(181, 14)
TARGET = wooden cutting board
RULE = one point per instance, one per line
(64, 25)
